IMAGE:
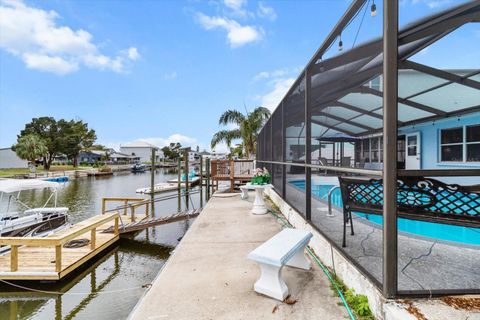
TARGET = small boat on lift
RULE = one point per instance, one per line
(39, 221)
(138, 167)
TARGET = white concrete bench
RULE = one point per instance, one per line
(285, 248)
(244, 190)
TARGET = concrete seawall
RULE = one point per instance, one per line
(209, 276)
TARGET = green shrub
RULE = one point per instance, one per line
(357, 302)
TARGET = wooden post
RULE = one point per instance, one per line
(103, 205)
(201, 181)
(58, 258)
(152, 183)
(187, 186)
(13, 258)
(116, 225)
(207, 169)
(13, 310)
(125, 207)
(179, 179)
(93, 238)
(147, 210)
(232, 174)
(132, 213)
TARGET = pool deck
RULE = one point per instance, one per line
(209, 276)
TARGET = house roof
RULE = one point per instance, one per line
(138, 144)
(343, 99)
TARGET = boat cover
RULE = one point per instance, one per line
(15, 185)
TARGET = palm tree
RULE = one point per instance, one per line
(30, 147)
(247, 127)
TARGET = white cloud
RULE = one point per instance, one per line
(271, 74)
(170, 76)
(235, 4)
(273, 98)
(237, 35)
(133, 53)
(56, 65)
(264, 11)
(33, 35)
(237, 8)
(432, 4)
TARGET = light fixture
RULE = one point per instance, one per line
(340, 44)
(373, 9)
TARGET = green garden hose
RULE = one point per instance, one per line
(322, 266)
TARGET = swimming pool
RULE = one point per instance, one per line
(439, 231)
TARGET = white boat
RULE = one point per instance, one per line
(32, 221)
(159, 187)
(191, 181)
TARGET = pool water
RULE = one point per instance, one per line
(439, 231)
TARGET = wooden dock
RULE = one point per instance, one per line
(48, 258)
(147, 223)
(35, 258)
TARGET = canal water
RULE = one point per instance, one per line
(109, 287)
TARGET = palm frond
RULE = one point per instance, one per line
(226, 136)
(231, 116)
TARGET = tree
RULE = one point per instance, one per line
(45, 128)
(236, 151)
(74, 136)
(60, 137)
(30, 147)
(248, 127)
(172, 151)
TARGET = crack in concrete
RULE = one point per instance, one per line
(423, 255)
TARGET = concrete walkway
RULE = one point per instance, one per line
(209, 276)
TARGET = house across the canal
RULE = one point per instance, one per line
(142, 150)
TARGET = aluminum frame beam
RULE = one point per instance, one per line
(347, 121)
(390, 132)
(453, 78)
(333, 127)
(404, 101)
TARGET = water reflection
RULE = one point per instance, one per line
(109, 287)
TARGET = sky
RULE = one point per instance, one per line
(164, 71)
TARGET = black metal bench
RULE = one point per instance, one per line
(418, 198)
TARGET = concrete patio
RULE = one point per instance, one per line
(417, 256)
(209, 276)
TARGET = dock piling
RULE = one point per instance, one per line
(201, 181)
(13, 258)
(152, 182)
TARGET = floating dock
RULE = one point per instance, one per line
(47, 258)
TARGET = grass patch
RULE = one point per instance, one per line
(357, 302)
(21, 171)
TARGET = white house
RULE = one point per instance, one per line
(143, 150)
(193, 156)
(9, 159)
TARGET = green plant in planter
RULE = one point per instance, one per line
(261, 176)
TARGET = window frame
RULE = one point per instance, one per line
(463, 143)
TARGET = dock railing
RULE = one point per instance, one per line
(127, 204)
(240, 171)
(58, 241)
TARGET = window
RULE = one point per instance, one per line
(461, 144)
(473, 143)
(366, 150)
(375, 83)
(374, 149)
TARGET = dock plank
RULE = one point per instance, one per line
(38, 262)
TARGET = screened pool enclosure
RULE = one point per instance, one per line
(380, 151)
